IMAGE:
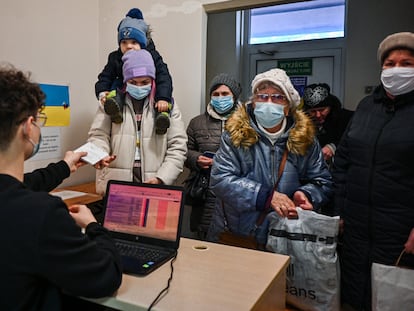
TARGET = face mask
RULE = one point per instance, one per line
(398, 80)
(222, 104)
(138, 92)
(269, 115)
(36, 147)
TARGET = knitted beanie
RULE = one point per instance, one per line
(393, 42)
(135, 13)
(134, 27)
(280, 79)
(227, 80)
(137, 63)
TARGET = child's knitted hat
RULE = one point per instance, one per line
(134, 27)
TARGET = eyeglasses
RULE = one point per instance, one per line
(41, 119)
(275, 98)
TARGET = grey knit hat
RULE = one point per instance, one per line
(395, 41)
(227, 80)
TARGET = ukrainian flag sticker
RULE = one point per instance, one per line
(57, 107)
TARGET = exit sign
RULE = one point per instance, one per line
(296, 66)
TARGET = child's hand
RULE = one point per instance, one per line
(162, 106)
(102, 97)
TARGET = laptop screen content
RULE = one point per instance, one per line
(143, 211)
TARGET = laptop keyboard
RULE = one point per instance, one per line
(136, 251)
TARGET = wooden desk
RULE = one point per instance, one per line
(89, 197)
(216, 278)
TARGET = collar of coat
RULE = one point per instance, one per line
(301, 133)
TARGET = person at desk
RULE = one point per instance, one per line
(45, 255)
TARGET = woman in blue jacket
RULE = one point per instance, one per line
(245, 167)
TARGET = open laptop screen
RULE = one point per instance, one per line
(143, 210)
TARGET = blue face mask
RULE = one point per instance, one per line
(269, 115)
(138, 92)
(222, 104)
(36, 147)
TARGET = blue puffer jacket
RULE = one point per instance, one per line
(246, 165)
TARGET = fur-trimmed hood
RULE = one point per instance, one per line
(243, 130)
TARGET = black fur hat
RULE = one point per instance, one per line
(319, 95)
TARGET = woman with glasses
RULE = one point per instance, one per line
(246, 165)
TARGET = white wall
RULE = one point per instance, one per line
(67, 42)
(57, 41)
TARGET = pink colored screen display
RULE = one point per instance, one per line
(150, 212)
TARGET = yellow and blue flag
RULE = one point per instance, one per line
(57, 106)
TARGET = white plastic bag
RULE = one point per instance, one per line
(313, 278)
(392, 288)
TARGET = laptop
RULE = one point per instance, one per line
(145, 222)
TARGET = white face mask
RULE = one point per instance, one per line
(398, 80)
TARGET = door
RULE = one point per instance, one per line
(303, 67)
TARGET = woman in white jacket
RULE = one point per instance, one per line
(136, 151)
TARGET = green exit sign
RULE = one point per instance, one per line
(296, 66)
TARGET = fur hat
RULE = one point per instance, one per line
(137, 63)
(279, 78)
(134, 27)
(319, 95)
(393, 42)
(228, 81)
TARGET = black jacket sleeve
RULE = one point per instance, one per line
(163, 78)
(48, 178)
(81, 264)
(111, 73)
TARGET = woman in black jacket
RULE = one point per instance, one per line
(204, 132)
(374, 175)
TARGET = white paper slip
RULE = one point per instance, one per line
(95, 154)
(68, 194)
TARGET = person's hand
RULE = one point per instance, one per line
(102, 97)
(300, 200)
(204, 162)
(409, 245)
(104, 162)
(82, 215)
(327, 153)
(162, 106)
(73, 160)
(154, 181)
(282, 204)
